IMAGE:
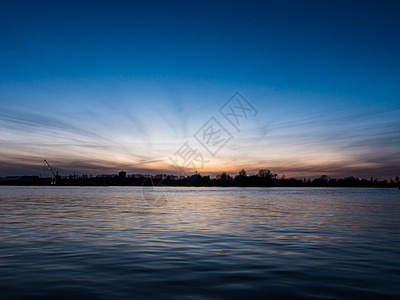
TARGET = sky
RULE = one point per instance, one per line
(96, 87)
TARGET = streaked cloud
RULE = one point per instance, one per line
(126, 93)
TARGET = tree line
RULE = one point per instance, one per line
(263, 178)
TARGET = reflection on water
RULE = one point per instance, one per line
(138, 242)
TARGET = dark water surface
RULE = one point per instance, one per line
(199, 243)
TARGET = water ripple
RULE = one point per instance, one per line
(218, 243)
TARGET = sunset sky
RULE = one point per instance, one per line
(99, 87)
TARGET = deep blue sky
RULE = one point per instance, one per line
(100, 86)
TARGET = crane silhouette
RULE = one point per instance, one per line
(55, 174)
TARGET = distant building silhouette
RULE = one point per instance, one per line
(264, 178)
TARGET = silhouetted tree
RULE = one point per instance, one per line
(224, 177)
(323, 178)
(242, 172)
(265, 173)
(241, 179)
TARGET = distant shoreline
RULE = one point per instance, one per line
(197, 181)
(199, 186)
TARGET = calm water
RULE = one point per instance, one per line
(199, 243)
